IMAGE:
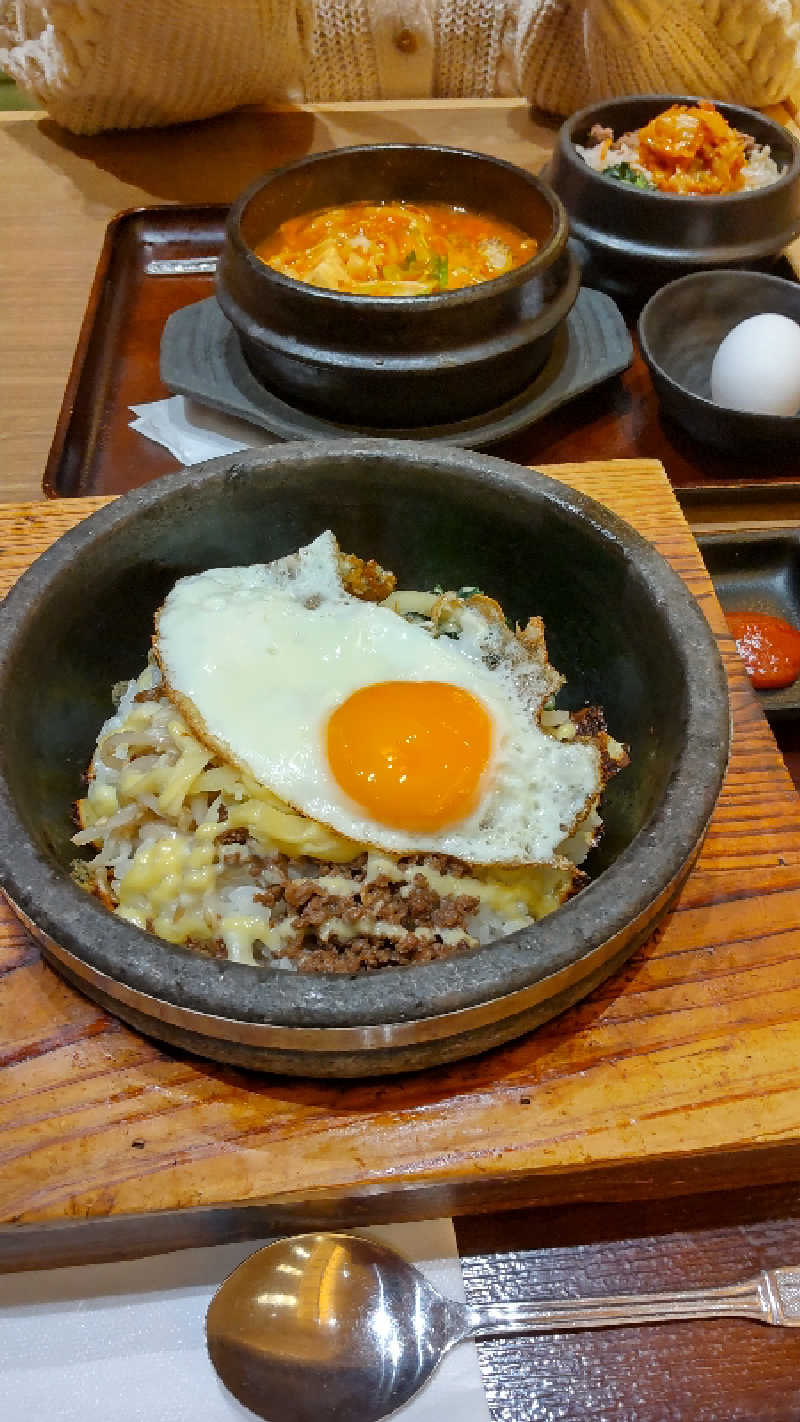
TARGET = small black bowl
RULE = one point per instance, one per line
(620, 624)
(397, 362)
(680, 331)
(636, 240)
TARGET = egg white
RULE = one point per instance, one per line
(257, 658)
(757, 366)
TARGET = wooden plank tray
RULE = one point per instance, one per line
(677, 1075)
(116, 365)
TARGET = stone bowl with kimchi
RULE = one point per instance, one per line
(397, 286)
(659, 185)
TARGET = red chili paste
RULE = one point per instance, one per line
(768, 646)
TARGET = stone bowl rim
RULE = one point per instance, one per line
(341, 301)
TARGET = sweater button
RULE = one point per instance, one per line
(406, 41)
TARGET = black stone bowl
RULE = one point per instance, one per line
(680, 331)
(633, 241)
(620, 623)
(397, 362)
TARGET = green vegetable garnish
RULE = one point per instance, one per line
(464, 592)
(624, 173)
(438, 268)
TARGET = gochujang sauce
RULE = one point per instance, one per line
(768, 646)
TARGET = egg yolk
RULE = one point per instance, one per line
(411, 753)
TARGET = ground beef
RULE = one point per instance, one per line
(383, 901)
(298, 893)
(421, 901)
(588, 722)
(207, 947)
(318, 909)
(441, 863)
(453, 912)
(379, 899)
(270, 897)
(365, 952)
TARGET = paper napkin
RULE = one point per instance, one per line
(126, 1342)
(193, 432)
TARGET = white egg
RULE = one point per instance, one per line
(757, 366)
(259, 658)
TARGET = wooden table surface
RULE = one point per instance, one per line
(60, 192)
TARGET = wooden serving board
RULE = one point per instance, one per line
(679, 1074)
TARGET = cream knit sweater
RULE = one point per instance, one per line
(97, 64)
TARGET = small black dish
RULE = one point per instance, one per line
(680, 331)
(758, 570)
(397, 361)
(632, 240)
(201, 357)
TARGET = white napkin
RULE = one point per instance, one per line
(126, 1342)
(193, 432)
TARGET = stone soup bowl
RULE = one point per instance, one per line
(621, 625)
(397, 361)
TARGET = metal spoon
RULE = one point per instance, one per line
(333, 1327)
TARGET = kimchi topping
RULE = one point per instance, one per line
(693, 149)
(687, 149)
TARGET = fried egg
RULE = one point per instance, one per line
(368, 724)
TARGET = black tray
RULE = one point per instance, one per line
(116, 365)
(758, 570)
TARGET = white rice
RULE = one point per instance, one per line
(759, 171)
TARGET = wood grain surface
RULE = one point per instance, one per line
(677, 1075)
(711, 1371)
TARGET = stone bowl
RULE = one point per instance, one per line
(621, 625)
(397, 362)
(680, 331)
(633, 241)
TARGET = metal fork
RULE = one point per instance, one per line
(180, 266)
(773, 1296)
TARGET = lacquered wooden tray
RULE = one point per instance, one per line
(116, 365)
(678, 1074)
